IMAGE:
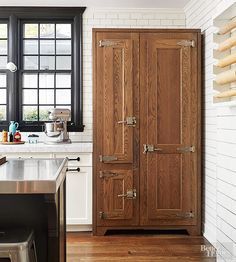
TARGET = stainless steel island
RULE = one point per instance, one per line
(32, 195)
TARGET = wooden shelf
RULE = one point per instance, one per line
(225, 82)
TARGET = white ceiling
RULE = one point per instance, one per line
(100, 3)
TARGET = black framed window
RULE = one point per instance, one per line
(3, 74)
(46, 46)
(46, 68)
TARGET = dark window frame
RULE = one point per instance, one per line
(4, 71)
(15, 16)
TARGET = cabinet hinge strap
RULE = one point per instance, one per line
(106, 43)
(186, 215)
(186, 149)
(186, 43)
(107, 158)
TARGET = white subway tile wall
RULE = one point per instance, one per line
(219, 143)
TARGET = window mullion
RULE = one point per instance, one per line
(12, 77)
(77, 72)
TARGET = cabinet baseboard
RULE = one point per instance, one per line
(78, 228)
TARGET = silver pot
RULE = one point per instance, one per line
(53, 129)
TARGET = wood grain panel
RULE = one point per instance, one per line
(168, 110)
(113, 206)
(117, 99)
(168, 195)
(168, 175)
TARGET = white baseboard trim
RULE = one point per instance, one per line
(78, 228)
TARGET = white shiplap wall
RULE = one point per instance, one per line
(219, 222)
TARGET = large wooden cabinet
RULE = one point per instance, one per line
(146, 130)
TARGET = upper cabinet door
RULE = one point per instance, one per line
(115, 117)
(168, 127)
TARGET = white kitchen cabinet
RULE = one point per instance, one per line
(79, 196)
(79, 191)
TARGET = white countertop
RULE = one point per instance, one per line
(74, 147)
(32, 176)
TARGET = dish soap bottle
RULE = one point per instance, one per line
(17, 136)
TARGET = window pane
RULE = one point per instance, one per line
(46, 96)
(31, 47)
(30, 96)
(63, 31)
(30, 80)
(63, 80)
(43, 112)
(63, 96)
(3, 113)
(3, 96)
(30, 113)
(3, 80)
(3, 47)
(47, 62)
(63, 47)
(63, 62)
(31, 62)
(47, 47)
(30, 30)
(3, 30)
(47, 30)
(3, 62)
(46, 81)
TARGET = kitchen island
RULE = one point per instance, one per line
(32, 195)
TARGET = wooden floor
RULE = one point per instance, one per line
(181, 248)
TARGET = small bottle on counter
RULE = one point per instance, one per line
(4, 135)
(17, 136)
(10, 137)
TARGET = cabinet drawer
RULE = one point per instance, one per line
(85, 159)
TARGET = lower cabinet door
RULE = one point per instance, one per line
(116, 198)
(79, 197)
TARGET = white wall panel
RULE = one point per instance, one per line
(219, 141)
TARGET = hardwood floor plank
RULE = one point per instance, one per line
(85, 247)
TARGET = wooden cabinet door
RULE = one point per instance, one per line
(115, 95)
(116, 150)
(114, 203)
(169, 128)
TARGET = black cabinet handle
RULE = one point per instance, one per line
(73, 169)
(74, 159)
